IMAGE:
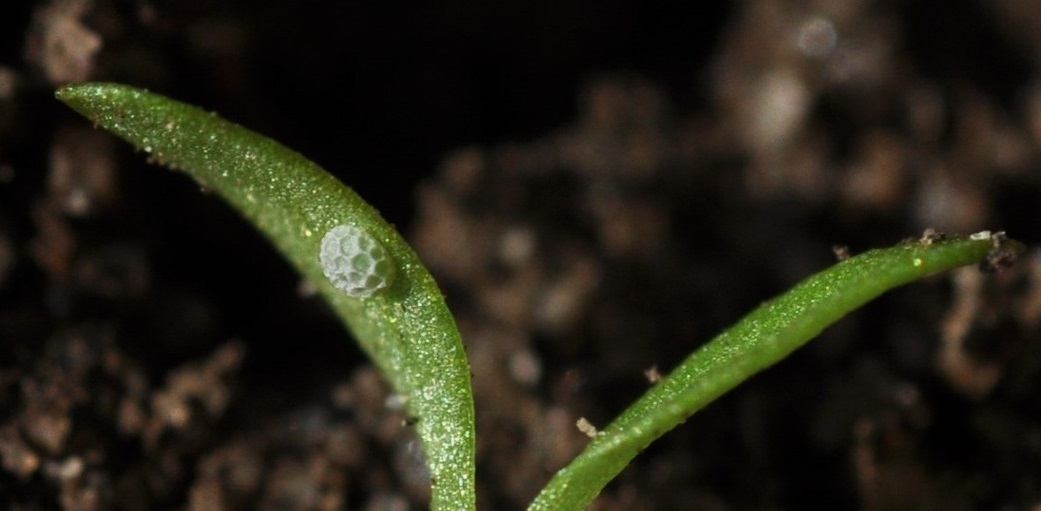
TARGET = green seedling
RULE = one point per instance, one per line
(358, 262)
(384, 295)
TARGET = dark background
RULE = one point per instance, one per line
(382, 94)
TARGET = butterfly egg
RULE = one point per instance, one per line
(355, 262)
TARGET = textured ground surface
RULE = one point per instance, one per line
(598, 186)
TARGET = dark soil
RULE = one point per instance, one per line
(598, 186)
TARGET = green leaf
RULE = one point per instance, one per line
(406, 327)
(762, 338)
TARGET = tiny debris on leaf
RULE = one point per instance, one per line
(587, 427)
(1002, 255)
(930, 236)
(841, 252)
(652, 374)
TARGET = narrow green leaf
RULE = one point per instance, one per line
(762, 338)
(401, 321)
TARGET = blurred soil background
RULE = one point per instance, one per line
(599, 186)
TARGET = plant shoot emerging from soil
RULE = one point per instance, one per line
(385, 296)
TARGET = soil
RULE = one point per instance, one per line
(599, 187)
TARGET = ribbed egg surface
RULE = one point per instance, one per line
(355, 262)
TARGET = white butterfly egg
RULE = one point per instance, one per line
(355, 262)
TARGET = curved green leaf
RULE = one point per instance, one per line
(762, 338)
(406, 328)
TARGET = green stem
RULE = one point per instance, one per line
(762, 338)
(405, 328)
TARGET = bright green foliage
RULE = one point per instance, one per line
(391, 304)
(406, 327)
(762, 338)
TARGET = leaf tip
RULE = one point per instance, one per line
(90, 99)
(1003, 253)
(74, 91)
(79, 96)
